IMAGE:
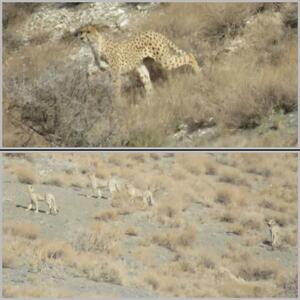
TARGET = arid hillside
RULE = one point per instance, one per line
(245, 94)
(204, 233)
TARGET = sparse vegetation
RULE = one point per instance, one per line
(209, 235)
(25, 230)
(25, 174)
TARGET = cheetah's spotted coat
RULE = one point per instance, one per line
(127, 56)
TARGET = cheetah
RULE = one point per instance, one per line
(47, 197)
(275, 232)
(148, 198)
(133, 191)
(113, 185)
(95, 186)
(123, 57)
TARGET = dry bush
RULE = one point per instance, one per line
(77, 180)
(232, 288)
(107, 215)
(174, 239)
(169, 214)
(35, 90)
(8, 257)
(208, 260)
(155, 156)
(225, 196)
(252, 220)
(192, 163)
(98, 268)
(152, 280)
(228, 217)
(211, 22)
(232, 176)
(14, 13)
(237, 229)
(256, 270)
(46, 250)
(290, 14)
(139, 157)
(187, 236)
(99, 237)
(25, 230)
(290, 239)
(210, 168)
(116, 159)
(25, 174)
(131, 231)
(179, 173)
(58, 180)
(120, 200)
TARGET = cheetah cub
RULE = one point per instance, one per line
(94, 184)
(148, 198)
(275, 233)
(47, 197)
(124, 57)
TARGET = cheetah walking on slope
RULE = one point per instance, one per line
(47, 197)
(275, 232)
(95, 186)
(126, 56)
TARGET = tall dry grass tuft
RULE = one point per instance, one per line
(99, 237)
(26, 230)
(25, 174)
(174, 239)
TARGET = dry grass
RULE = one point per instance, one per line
(101, 238)
(131, 231)
(208, 235)
(13, 291)
(108, 215)
(175, 239)
(248, 52)
(8, 257)
(57, 180)
(224, 196)
(25, 174)
(256, 271)
(46, 250)
(25, 230)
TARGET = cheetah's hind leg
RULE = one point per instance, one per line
(145, 78)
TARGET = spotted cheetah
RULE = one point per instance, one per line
(124, 57)
(47, 197)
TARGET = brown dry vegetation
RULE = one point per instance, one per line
(248, 54)
(208, 235)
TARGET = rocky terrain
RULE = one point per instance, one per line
(205, 237)
(244, 96)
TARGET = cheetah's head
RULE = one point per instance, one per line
(271, 223)
(88, 33)
(30, 187)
